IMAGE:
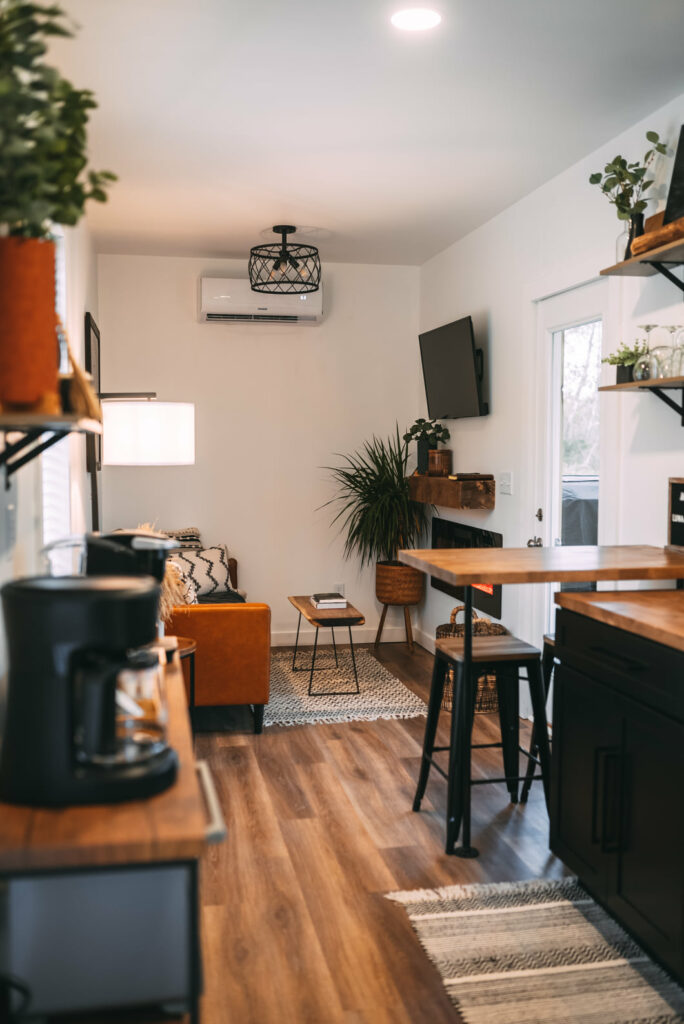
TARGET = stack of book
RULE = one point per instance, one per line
(333, 600)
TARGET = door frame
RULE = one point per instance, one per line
(580, 304)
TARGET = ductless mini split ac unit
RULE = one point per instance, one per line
(230, 300)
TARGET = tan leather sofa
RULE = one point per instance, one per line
(233, 657)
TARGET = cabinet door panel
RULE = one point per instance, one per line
(585, 777)
(650, 875)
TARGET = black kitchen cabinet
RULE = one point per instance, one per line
(617, 807)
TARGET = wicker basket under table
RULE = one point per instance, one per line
(486, 700)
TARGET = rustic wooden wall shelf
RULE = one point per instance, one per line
(658, 386)
(440, 490)
(32, 426)
(655, 261)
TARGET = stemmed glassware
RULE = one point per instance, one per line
(677, 342)
(647, 365)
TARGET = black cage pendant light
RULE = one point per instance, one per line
(284, 267)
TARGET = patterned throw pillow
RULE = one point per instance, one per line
(208, 569)
(188, 538)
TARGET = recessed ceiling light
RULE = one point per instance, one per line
(416, 19)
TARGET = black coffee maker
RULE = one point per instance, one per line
(86, 710)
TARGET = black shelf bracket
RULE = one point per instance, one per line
(11, 458)
(664, 269)
(679, 409)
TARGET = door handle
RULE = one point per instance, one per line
(535, 542)
(606, 799)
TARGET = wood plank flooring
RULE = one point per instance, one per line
(295, 926)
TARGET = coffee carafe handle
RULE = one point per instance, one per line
(96, 688)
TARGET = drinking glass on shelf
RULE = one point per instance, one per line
(677, 341)
(646, 366)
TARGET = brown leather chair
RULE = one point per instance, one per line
(233, 657)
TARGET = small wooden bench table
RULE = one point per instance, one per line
(324, 618)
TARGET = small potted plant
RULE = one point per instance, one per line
(43, 181)
(624, 359)
(429, 434)
(625, 185)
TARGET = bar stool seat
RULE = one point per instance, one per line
(504, 656)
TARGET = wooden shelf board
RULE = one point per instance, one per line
(639, 266)
(666, 383)
(479, 495)
(70, 422)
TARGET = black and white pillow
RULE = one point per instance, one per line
(208, 569)
(188, 538)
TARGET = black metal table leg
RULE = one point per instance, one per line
(454, 814)
(332, 630)
(465, 729)
(313, 663)
(294, 656)
(353, 657)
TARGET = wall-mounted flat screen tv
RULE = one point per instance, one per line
(452, 370)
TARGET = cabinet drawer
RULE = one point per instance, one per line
(646, 671)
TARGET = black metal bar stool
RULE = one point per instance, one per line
(505, 656)
(548, 662)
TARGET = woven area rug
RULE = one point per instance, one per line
(538, 952)
(382, 695)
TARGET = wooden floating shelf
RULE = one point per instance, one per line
(642, 265)
(479, 495)
(32, 427)
(666, 383)
(69, 423)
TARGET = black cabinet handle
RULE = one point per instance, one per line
(606, 799)
(618, 660)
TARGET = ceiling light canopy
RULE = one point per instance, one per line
(416, 19)
(284, 267)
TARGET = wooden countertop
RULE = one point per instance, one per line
(170, 826)
(461, 566)
(655, 614)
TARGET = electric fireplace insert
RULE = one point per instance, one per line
(447, 534)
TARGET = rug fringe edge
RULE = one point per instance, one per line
(447, 892)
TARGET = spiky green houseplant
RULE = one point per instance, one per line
(376, 512)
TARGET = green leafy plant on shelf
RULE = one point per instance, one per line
(431, 431)
(44, 178)
(626, 183)
(626, 355)
(376, 510)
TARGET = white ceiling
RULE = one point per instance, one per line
(223, 117)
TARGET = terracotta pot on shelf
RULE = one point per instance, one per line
(440, 461)
(29, 354)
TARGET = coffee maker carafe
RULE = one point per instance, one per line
(86, 713)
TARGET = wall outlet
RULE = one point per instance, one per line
(506, 483)
(338, 588)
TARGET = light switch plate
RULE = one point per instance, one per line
(506, 483)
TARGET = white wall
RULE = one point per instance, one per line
(558, 237)
(273, 404)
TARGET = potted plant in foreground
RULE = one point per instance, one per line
(625, 185)
(43, 181)
(429, 434)
(379, 517)
(624, 359)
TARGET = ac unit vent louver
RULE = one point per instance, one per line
(225, 300)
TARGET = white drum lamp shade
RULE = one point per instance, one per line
(148, 434)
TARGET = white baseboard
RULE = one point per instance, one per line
(360, 635)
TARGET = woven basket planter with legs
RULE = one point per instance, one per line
(396, 583)
(486, 700)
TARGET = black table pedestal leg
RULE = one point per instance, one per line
(466, 715)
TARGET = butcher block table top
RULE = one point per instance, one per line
(655, 614)
(170, 826)
(465, 566)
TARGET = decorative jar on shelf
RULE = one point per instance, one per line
(440, 461)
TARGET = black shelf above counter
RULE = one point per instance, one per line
(32, 427)
(657, 386)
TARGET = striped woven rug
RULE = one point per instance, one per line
(540, 952)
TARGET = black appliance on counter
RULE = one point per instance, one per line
(86, 707)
